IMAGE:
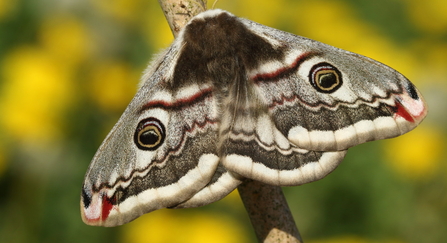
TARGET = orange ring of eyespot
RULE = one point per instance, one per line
(153, 126)
(322, 70)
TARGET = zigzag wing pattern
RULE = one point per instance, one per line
(232, 99)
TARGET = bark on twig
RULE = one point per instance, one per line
(179, 12)
(269, 213)
(266, 205)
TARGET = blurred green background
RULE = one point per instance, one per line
(68, 68)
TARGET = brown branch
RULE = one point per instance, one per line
(269, 213)
(266, 205)
(179, 12)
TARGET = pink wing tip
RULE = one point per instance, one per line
(98, 209)
(411, 109)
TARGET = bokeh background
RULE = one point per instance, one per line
(68, 68)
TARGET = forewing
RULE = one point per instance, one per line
(301, 103)
(371, 100)
(161, 152)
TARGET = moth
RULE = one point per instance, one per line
(232, 99)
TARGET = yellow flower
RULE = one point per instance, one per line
(181, 226)
(433, 62)
(37, 89)
(273, 8)
(6, 7)
(416, 155)
(335, 23)
(66, 38)
(430, 16)
(331, 22)
(122, 10)
(112, 85)
(156, 29)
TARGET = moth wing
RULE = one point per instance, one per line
(302, 103)
(222, 183)
(252, 145)
(269, 105)
(369, 100)
(161, 152)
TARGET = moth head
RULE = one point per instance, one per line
(325, 78)
(149, 134)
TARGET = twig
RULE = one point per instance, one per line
(266, 205)
(269, 213)
(179, 12)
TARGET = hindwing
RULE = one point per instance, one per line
(232, 99)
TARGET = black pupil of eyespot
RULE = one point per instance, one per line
(149, 137)
(327, 80)
(149, 134)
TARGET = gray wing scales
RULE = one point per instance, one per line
(161, 152)
(222, 183)
(325, 99)
(232, 99)
(307, 105)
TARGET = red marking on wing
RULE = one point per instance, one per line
(180, 102)
(301, 58)
(402, 112)
(106, 207)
